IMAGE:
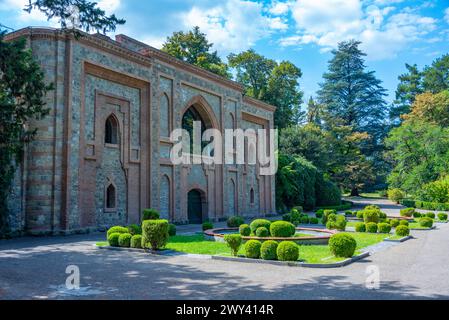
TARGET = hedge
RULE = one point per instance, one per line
(426, 222)
(262, 232)
(256, 224)
(384, 228)
(117, 229)
(113, 239)
(371, 227)
(402, 231)
(342, 245)
(150, 214)
(245, 230)
(171, 230)
(235, 222)
(442, 216)
(207, 225)
(360, 227)
(347, 205)
(425, 205)
(125, 240)
(154, 234)
(282, 229)
(287, 251)
(252, 249)
(268, 250)
(136, 241)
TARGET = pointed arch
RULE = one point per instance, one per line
(204, 110)
(111, 131)
(110, 196)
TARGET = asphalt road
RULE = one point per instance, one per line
(35, 268)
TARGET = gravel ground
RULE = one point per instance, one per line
(35, 268)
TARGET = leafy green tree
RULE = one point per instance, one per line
(282, 91)
(276, 84)
(194, 48)
(410, 85)
(89, 16)
(436, 76)
(431, 108)
(313, 112)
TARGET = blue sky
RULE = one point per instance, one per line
(393, 32)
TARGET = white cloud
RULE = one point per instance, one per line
(446, 16)
(383, 33)
(279, 8)
(233, 25)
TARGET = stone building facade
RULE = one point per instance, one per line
(102, 154)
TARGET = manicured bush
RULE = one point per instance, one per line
(245, 230)
(252, 248)
(342, 245)
(442, 216)
(262, 232)
(314, 221)
(171, 230)
(287, 251)
(404, 223)
(326, 215)
(154, 234)
(394, 223)
(402, 231)
(207, 225)
(295, 215)
(256, 224)
(408, 203)
(416, 214)
(319, 214)
(336, 222)
(117, 229)
(371, 216)
(382, 216)
(268, 250)
(136, 241)
(396, 195)
(430, 215)
(426, 222)
(408, 212)
(372, 207)
(282, 229)
(125, 240)
(360, 227)
(234, 241)
(305, 220)
(134, 229)
(384, 228)
(150, 214)
(359, 214)
(235, 222)
(113, 239)
(371, 227)
(349, 213)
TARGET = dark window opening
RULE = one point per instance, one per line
(110, 197)
(111, 131)
(252, 196)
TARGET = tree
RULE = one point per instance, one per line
(313, 112)
(410, 85)
(431, 108)
(436, 76)
(273, 83)
(194, 48)
(23, 88)
(282, 92)
(253, 71)
(88, 15)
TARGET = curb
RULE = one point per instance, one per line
(398, 240)
(156, 253)
(428, 229)
(295, 264)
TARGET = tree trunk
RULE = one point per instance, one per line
(355, 192)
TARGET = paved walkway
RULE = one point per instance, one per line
(34, 268)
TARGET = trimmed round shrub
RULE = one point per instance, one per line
(305, 220)
(314, 221)
(235, 222)
(359, 214)
(404, 223)
(117, 229)
(336, 222)
(382, 215)
(402, 231)
(154, 234)
(395, 195)
(384, 228)
(372, 207)
(245, 230)
(207, 225)
(360, 227)
(416, 214)
(113, 239)
(252, 249)
(134, 229)
(171, 230)
(394, 223)
(234, 241)
(256, 224)
(371, 227)
(262, 232)
(150, 214)
(136, 241)
(125, 240)
(442, 216)
(326, 215)
(282, 229)
(268, 250)
(342, 245)
(287, 251)
(408, 212)
(348, 213)
(430, 215)
(371, 216)
(319, 214)
(426, 222)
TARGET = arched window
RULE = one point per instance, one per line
(164, 114)
(110, 197)
(111, 130)
(251, 196)
(189, 118)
